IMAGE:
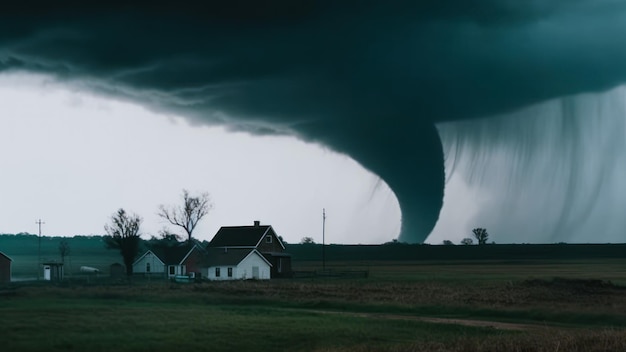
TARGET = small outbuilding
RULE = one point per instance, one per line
(52, 271)
(117, 271)
(5, 268)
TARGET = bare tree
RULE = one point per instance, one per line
(189, 214)
(123, 234)
(481, 235)
(64, 249)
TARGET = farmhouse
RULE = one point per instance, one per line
(261, 238)
(5, 268)
(237, 264)
(170, 261)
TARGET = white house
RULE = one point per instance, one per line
(169, 261)
(237, 264)
(263, 238)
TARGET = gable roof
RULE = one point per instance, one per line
(232, 256)
(242, 236)
(171, 255)
(6, 256)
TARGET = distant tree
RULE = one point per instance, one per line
(467, 241)
(394, 242)
(448, 243)
(481, 235)
(64, 249)
(123, 234)
(307, 240)
(166, 239)
(282, 239)
(187, 216)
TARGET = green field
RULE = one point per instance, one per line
(399, 307)
(574, 303)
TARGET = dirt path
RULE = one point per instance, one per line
(465, 322)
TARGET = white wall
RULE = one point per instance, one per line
(243, 270)
(156, 267)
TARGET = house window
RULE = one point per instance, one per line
(268, 239)
(280, 265)
(172, 270)
(230, 272)
(147, 267)
(217, 272)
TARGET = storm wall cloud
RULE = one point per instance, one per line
(364, 78)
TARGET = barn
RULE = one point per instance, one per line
(5, 268)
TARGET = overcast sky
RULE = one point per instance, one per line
(72, 159)
(521, 88)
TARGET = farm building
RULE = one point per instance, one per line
(237, 264)
(117, 271)
(263, 238)
(52, 271)
(5, 268)
(170, 261)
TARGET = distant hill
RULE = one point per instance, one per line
(91, 251)
(84, 250)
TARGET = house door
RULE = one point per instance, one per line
(46, 273)
(255, 272)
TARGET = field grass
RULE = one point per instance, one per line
(101, 325)
(538, 304)
(317, 315)
(477, 271)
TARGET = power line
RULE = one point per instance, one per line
(39, 222)
(324, 239)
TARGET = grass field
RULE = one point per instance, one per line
(408, 306)
(576, 303)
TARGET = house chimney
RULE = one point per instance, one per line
(257, 223)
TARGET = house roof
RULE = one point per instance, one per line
(171, 255)
(242, 236)
(231, 256)
(6, 256)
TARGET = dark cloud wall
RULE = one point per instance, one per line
(365, 78)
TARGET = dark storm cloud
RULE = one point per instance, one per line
(364, 77)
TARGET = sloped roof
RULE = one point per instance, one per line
(173, 255)
(6, 256)
(231, 256)
(239, 236)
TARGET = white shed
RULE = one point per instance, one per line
(237, 264)
(149, 264)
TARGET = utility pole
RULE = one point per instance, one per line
(324, 239)
(39, 222)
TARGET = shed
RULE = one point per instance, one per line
(117, 271)
(52, 271)
(5, 268)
